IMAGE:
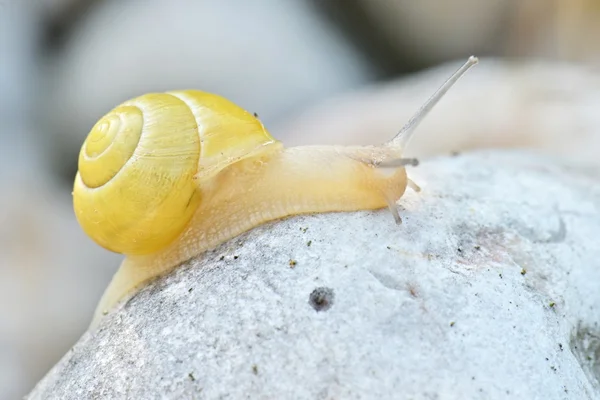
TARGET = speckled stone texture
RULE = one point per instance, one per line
(490, 289)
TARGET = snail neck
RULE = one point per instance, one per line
(292, 181)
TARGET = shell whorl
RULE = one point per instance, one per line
(134, 191)
(141, 165)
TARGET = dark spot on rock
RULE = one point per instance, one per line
(190, 290)
(236, 257)
(585, 346)
(255, 369)
(523, 271)
(560, 346)
(191, 376)
(321, 299)
(293, 263)
(478, 247)
(309, 243)
(222, 258)
(452, 324)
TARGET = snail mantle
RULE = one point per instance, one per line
(489, 288)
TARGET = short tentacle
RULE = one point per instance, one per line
(393, 207)
(398, 162)
(411, 184)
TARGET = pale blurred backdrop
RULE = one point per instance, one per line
(315, 71)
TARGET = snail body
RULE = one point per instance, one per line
(166, 176)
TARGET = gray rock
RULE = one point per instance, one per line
(489, 290)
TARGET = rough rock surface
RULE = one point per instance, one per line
(489, 289)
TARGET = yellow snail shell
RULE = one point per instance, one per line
(139, 167)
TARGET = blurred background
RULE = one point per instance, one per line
(315, 71)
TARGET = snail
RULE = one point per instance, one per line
(166, 176)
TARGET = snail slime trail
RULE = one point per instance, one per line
(164, 177)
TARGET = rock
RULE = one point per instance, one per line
(430, 31)
(489, 289)
(433, 32)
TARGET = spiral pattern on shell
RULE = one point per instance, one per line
(141, 165)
